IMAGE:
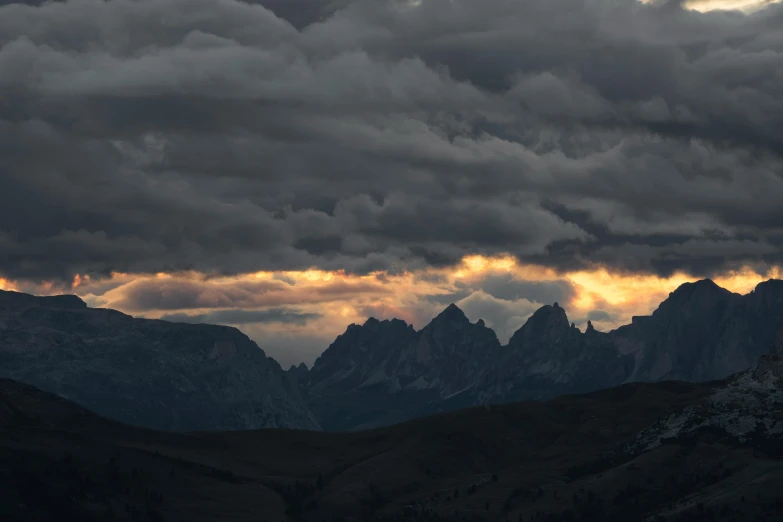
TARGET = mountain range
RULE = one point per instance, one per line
(185, 377)
(383, 372)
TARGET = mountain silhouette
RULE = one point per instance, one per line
(184, 377)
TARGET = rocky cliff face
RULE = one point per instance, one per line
(145, 372)
(703, 332)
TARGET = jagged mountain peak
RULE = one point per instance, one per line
(452, 313)
(554, 315)
(373, 323)
(547, 322)
(702, 295)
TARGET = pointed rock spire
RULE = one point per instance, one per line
(451, 314)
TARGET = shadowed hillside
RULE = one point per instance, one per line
(566, 459)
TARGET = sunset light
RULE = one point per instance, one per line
(339, 298)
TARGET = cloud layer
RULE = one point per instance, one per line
(212, 135)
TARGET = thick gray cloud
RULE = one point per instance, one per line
(214, 135)
(242, 317)
(507, 287)
(182, 294)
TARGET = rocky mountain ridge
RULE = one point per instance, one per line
(385, 371)
(144, 372)
(195, 377)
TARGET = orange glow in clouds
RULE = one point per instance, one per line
(5, 284)
(704, 6)
(335, 299)
(738, 5)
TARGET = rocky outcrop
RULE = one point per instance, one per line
(770, 366)
(747, 408)
(143, 372)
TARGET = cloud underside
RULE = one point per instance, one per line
(214, 136)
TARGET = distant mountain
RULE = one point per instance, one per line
(668, 452)
(143, 372)
(385, 371)
(703, 332)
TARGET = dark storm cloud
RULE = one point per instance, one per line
(243, 317)
(224, 137)
(301, 13)
(177, 294)
(508, 288)
(183, 294)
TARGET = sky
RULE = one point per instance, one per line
(291, 167)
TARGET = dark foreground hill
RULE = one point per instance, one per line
(663, 451)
